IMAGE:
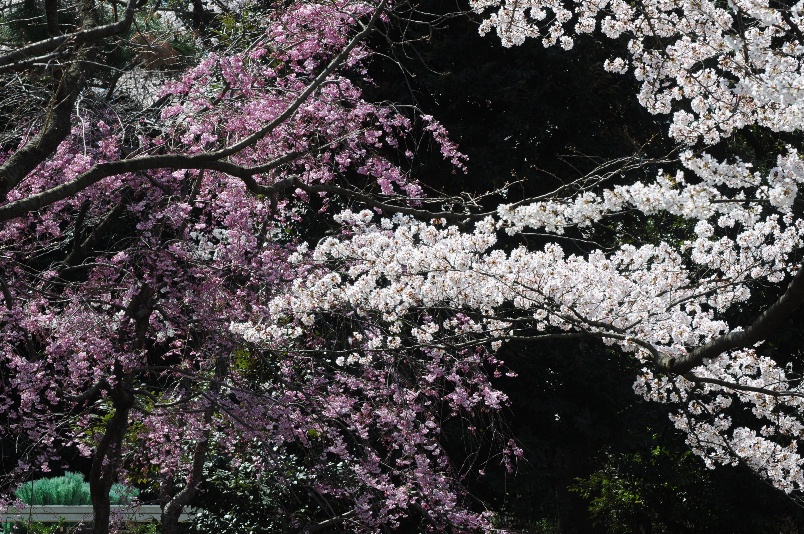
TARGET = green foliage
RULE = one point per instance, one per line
(660, 487)
(544, 526)
(34, 527)
(122, 494)
(600, 460)
(614, 501)
(143, 528)
(238, 499)
(68, 490)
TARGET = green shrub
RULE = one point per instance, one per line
(68, 490)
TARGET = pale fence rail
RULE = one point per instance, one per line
(83, 514)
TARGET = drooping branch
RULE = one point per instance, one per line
(175, 506)
(317, 82)
(742, 387)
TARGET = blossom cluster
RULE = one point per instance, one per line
(738, 378)
(716, 68)
(734, 64)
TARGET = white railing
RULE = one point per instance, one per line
(83, 514)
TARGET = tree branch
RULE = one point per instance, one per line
(741, 387)
(768, 321)
(335, 521)
(17, 167)
(72, 39)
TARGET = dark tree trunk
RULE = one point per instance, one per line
(107, 457)
(52, 14)
(174, 507)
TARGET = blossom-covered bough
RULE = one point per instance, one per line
(450, 288)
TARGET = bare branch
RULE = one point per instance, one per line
(72, 39)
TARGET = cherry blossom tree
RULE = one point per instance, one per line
(239, 263)
(138, 230)
(454, 283)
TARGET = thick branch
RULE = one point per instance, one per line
(105, 170)
(760, 329)
(9, 299)
(108, 454)
(174, 161)
(56, 128)
(742, 387)
(93, 392)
